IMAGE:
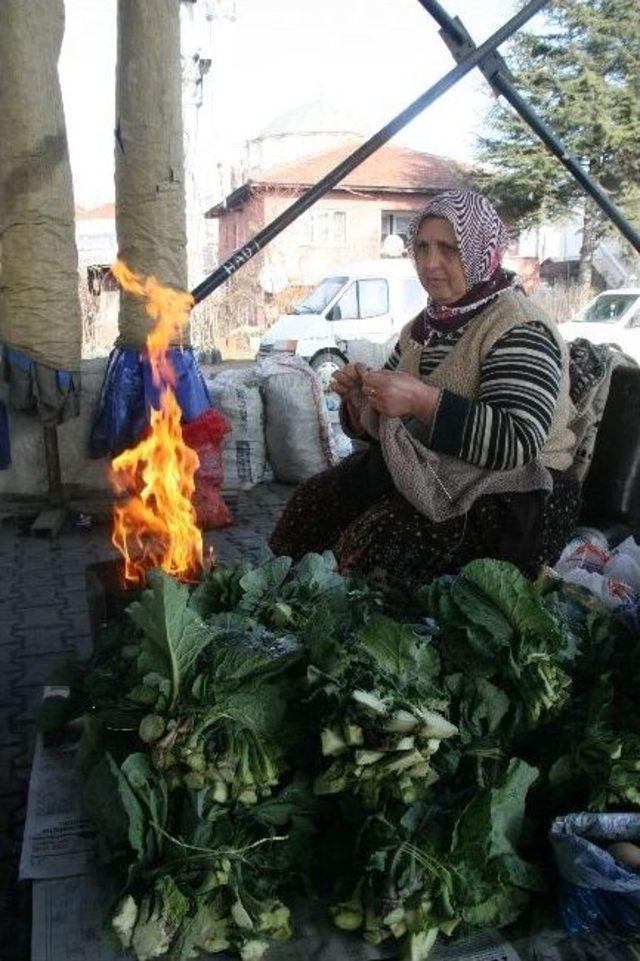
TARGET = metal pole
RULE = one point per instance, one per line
(497, 73)
(267, 234)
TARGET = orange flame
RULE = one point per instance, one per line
(156, 526)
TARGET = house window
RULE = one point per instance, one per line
(324, 228)
(364, 298)
(396, 222)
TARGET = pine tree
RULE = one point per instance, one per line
(581, 74)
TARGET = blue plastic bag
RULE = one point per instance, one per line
(600, 894)
(128, 392)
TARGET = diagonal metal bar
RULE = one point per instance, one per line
(267, 234)
(497, 73)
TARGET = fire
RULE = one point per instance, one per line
(156, 525)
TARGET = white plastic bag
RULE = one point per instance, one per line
(625, 564)
(297, 428)
(237, 394)
(611, 576)
(342, 445)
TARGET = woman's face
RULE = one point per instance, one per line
(438, 261)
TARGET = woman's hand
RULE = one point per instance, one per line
(348, 381)
(395, 393)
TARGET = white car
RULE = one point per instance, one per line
(613, 317)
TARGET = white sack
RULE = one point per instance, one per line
(298, 432)
(237, 394)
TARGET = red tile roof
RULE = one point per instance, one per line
(390, 169)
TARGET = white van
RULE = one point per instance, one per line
(363, 305)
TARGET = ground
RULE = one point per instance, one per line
(44, 622)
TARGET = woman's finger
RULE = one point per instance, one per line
(346, 380)
(376, 378)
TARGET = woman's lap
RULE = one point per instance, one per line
(386, 540)
(320, 510)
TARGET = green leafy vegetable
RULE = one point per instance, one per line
(173, 634)
(279, 730)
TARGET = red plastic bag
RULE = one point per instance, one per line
(205, 435)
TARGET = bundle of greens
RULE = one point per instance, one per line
(497, 630)
(274, 731)
(380, 707)
(440, 866)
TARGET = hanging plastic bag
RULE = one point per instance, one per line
(601, 893)
(205, 435)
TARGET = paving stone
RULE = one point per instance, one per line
(75, 622)
(33, 618)
(75, 602)
(8, 737)
(8, 675)
(10, 756)
(37, 670)
(37, 641)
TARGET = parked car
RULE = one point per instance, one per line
(364, 302)
(613, 317)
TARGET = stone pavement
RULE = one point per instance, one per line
(44, 623)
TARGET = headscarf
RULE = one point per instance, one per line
(482, 239)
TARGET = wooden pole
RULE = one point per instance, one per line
(52, 455)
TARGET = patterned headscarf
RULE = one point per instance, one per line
(482, 240)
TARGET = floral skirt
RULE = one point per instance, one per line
(355, 511)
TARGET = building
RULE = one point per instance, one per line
(97, 249)
(555, 248)
(350, 222)
(310, 128)
(96, 235)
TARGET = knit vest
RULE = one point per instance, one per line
(460, 370)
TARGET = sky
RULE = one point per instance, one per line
(373, 56)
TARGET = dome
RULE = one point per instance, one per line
(318, 116)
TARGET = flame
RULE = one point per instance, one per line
(156, 525)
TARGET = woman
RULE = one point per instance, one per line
(478, 385)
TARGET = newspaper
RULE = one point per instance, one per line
(58, 836)
(68, 923)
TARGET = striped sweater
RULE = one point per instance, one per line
(508, 423)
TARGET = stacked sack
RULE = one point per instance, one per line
(205, 435)
(279, 422)
(297, 428)
(237, 394)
